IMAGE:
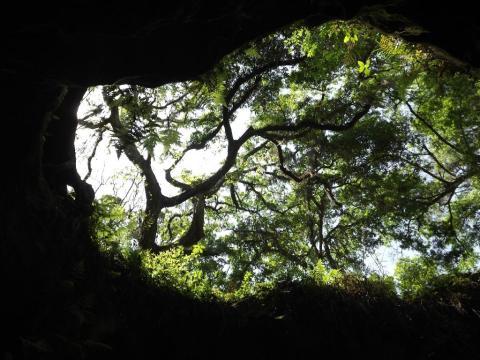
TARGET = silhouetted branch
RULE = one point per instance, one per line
(92, 155)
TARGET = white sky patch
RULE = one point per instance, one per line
(111, 175)
(385, 258)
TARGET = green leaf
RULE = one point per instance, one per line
(361, 66)
(364, 67)
(252, 52)
(350, 39)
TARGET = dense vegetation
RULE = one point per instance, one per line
(355, 140)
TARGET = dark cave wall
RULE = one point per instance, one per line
(153, 42)
(146, 43)
(43, 232)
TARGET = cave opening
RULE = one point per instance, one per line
(353, 141)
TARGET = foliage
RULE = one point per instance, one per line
(356, 140)
(414, 276)
(113, 227)
(421, 278)
(176, 269)
(323, 276)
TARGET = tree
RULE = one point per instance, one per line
(339, 156)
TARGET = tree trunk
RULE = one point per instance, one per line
(152, 213)
(153, 192)
(59, 162)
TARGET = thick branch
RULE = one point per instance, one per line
(260, 197)
(432, 129)
(234, 148)
(174, 182)
(226, 125)
(244, 97)
(199, 145)
(449, 189)
(426, 171)
(432, 155)
(258, 71)
(256, 149)
(195, 231)
(314, 125)
(169, 103)
(153, 191)
(207, 184)
(284, 170)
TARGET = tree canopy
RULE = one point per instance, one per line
(355, 140)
